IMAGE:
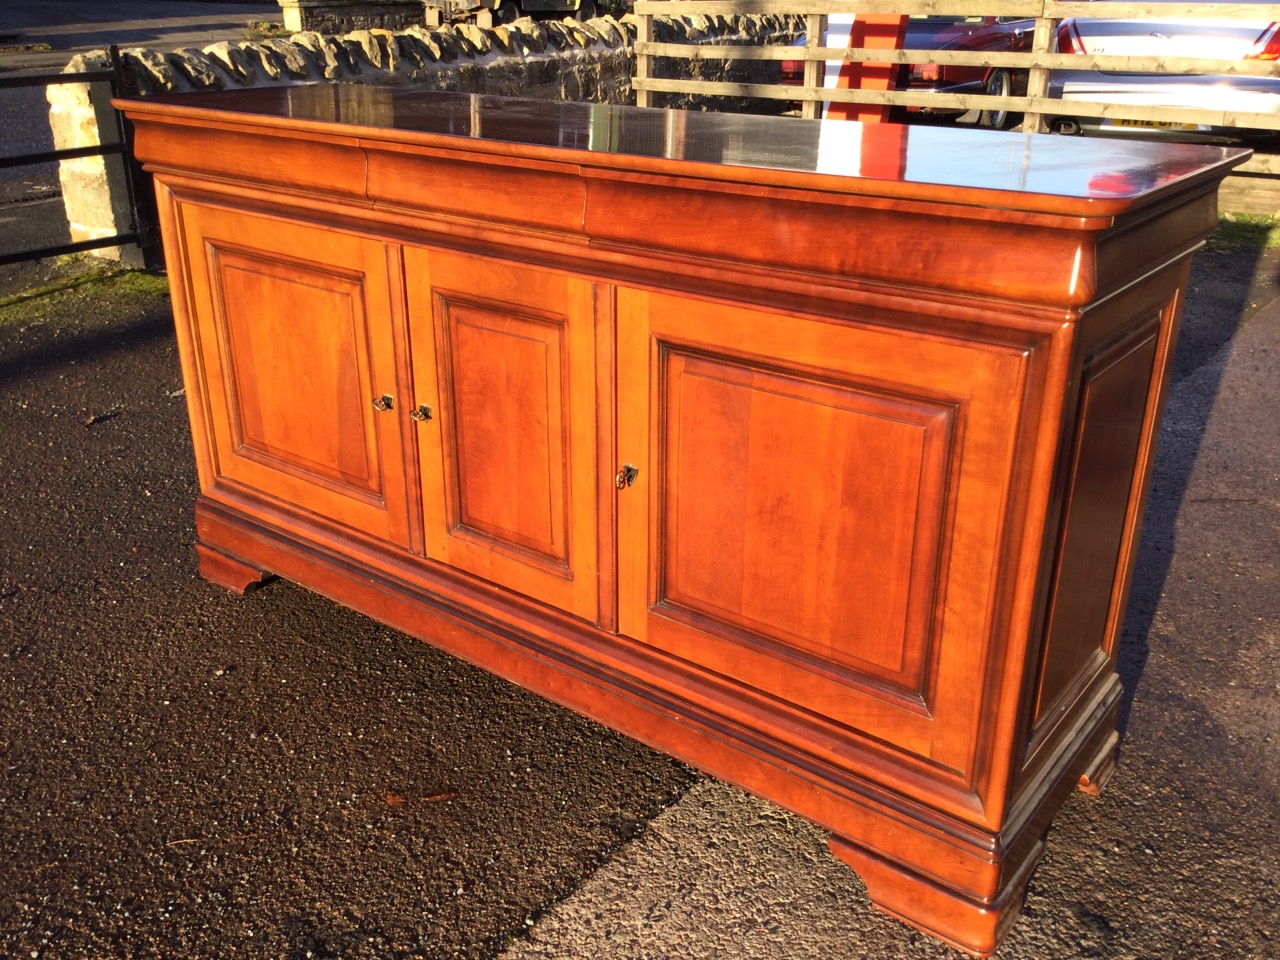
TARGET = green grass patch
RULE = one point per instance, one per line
(264, 30)
(97, 281)
(1243, 231)
(12, 43)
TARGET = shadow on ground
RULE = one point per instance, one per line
(189, 773)
(1229, 284)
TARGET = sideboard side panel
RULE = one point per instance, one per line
(1123, 378)
(1106, 454)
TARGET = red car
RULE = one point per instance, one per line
(950, 33)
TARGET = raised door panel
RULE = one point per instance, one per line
(766, 464)
(504, 356)
(1103, 490)
(818, 511)
(295, 345)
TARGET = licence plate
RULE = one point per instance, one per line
(1152, 124)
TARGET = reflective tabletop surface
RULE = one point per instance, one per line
(834, 155)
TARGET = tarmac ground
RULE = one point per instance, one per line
(186, 773)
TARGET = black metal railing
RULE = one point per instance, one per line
(142, 229)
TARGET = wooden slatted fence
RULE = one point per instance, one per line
(1038, 62)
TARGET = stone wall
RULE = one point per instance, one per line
(553, 59)
(550, 59)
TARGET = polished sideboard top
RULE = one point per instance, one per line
(1017, 171)
(1028, 218)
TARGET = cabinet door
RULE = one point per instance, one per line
(293, 332)
(818, 510)
(504, 355)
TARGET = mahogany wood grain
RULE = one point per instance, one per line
(813, 454)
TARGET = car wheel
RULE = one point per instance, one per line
(999, 84)
(506, 12)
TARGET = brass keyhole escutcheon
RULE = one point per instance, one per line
(626, 476)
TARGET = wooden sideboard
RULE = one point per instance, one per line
(811, 453)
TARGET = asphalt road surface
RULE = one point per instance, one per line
(186, 773)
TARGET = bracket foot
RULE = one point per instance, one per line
(230, 572)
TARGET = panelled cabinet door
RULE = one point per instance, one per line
(504, 381)
(817, 511)
(296, 366)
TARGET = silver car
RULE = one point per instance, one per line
(1203, 38)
